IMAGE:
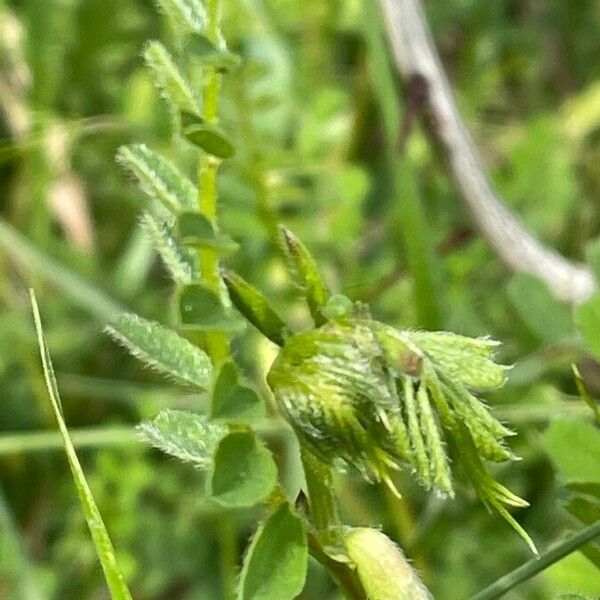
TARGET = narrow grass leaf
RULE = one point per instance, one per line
(276, 562)
(104, 548)
(530, 569)
(162, 349)
(190, 437)
(158, 177)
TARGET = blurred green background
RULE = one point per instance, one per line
(315, 112)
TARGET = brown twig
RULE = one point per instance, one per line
(416, 56)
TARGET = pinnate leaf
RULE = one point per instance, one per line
(275, 564)
(162, 349)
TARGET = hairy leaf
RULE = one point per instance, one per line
(470, 360)
(158, 177)
(177, 261)
(187, 16)
(163, 350)
(173, 84)
(190, 437)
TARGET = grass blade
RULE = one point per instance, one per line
(537, 565)
(104, 548)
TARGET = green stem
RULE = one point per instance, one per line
(344, 576)
(323, 508)
(216, 341)
(536, 565)
(228, 555)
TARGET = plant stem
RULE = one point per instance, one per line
(536, 565)
(323, 508)
(345, 577)
(216, 341)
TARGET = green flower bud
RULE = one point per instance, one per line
(382, 567)
(362, 393)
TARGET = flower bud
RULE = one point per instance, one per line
(382, 567)
(363, 393)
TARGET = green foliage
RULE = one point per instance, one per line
(173, 84)
(232, 401)
(587, 319)
(314, 114)
(178, 263)
(186, 15)
(158, 177)
(276, 562)
(255, 307)
(547, 318)
(162, 350)
(307, 276)
(210, 139)
(575, 448)
(201, 309)
(104, 548)
(194, 229)
(244, 472)
(187, 436)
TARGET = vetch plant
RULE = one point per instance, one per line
(357, 393)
